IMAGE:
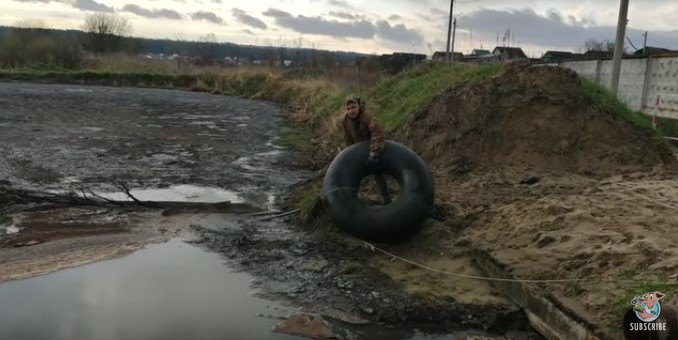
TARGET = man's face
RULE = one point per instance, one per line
(352, 110)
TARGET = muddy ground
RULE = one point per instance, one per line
(60, 138)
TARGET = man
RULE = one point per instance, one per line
(359, 126)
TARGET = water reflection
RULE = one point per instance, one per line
(179, 193)
(169, 291)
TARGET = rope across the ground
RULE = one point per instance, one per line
(501, 279)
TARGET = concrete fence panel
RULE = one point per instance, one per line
(662, 88)
(649, 85)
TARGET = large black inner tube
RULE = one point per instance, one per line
(379, 223)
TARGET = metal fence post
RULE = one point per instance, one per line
(599, 64)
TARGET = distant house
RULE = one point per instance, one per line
(479, 53)
(558, 55)
(650, 50)
(397, 62)
(442, 56)
(507, 53)
(594, 54)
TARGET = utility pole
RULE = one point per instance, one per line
(454, 33)
(619, 44)
(645, 43)
(449, 32)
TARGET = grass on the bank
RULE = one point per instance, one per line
(602, 96)
(668, 127)
(309, 204)
(402, 96)
(4, 219)
(643, 282)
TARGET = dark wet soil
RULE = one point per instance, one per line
(54, 135)
(330, 276)
(61, 137)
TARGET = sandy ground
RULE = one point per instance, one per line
(568, 227)
(61, 238)
(556, 186)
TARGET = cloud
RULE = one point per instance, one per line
(84, 5)
(320, 26)
(398, 33)
(154, 13)
(438, 11)
(249, 20)
(394, 17)
(90, 5)
(276, 13)
(552, 29)
(208, 16)
(364, 29)
(340, 3)
(248, 32)
(343, 15)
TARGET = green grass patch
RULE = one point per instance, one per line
(309, 204)
(609, 102)
(401, 96)
(667, 127)
(295, 137)
(4, 219)
(643, 282)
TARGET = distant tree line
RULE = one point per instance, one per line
(31, 44)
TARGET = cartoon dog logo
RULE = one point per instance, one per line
(647, 307)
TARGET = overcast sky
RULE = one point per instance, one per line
(370, 26)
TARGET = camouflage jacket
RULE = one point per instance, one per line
(364, 127)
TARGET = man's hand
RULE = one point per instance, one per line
(373, 158)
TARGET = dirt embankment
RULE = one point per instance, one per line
(537, 117)
(553, 183)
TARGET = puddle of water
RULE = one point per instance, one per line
(271, 143)
(270, 201)
(78, 90)
(71, 179)
(272, 153)
(12, 229)
(243, 162)
(216, 221)
(192, 116)
(179, 193)
(207, 124)
(168, 291)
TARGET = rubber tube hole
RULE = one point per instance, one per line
(370, 193)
